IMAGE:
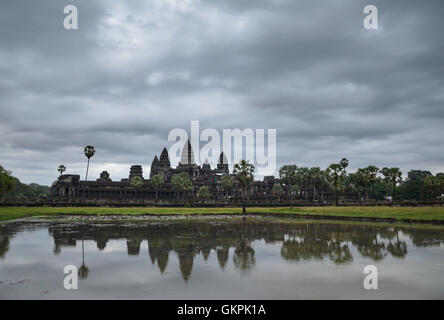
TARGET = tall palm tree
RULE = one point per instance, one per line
(287, 175)
(61, 169)
(227, 183)
(89, 152)
(336, 174)
(394, 175)
(303, 178)
(181, 183)
(244, 172)
(157, 181)
(361, 178)
(372, 175)
(315, 175)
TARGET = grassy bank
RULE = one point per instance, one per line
(371, 213)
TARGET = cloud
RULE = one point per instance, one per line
(137, 69)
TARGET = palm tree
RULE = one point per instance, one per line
(136, 182)
(336, 174)
(303, 179)
(372, 176)
(394, 175)
(287, 175)
(157, 181)
(227, 183)
(277, 190)
(7, 181)
(175, 182)
(89, 152)
(315, 175)
(294, 189)
(361, 178)
(181, 183)
(204, 193)
(61, 169)
(244, 171)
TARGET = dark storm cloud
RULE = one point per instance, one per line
(137, 69)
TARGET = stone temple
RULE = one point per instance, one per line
(69, 187)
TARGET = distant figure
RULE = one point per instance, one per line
(389, 200)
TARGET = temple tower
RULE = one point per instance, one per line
(187, 156)
(164, 162)
(154, 167)
(222, 165)
(135, 171)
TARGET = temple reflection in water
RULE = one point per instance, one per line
(298, 240)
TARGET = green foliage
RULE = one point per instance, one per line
(414, 187)
(287, 174)
(181, 182)
(434, 185)
(204, 193)
(244, 172)
(157, 181)
(7, 182)
(12, 190)
(294, 189)
(336, 175)
(392, 176)
(370, 182)
(384, 212)
(89, 151)
(136, 182)
(277, 189)
(227, 182)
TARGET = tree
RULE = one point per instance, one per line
(204, 193)
(157, 181)
(277, 190)
(372, 177)
(244, 172)
(315, 177)
(294, 189)
(136, 182)
(7, 182)
(303, 179)
(336, 174)
(61, 169)
(89, 152)
(227, 183)
(435, 185)
(181, 183)
(176, 183)
(361, 179)
(394, 176)
(287, 175)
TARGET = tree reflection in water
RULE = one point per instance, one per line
(298, 240)
(83, 270)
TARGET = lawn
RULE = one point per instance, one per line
(397, 213)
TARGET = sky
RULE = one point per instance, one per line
(135, 70)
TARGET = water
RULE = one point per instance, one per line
(260, 258)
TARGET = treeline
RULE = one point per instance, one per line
(369, 183)
(12, 190)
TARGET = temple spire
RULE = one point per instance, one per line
(187, 156)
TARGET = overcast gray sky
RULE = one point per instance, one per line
(137, 69)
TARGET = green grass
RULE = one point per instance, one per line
(397, 213)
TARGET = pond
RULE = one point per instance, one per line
(225, 258)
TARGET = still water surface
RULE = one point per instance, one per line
(260, 258)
